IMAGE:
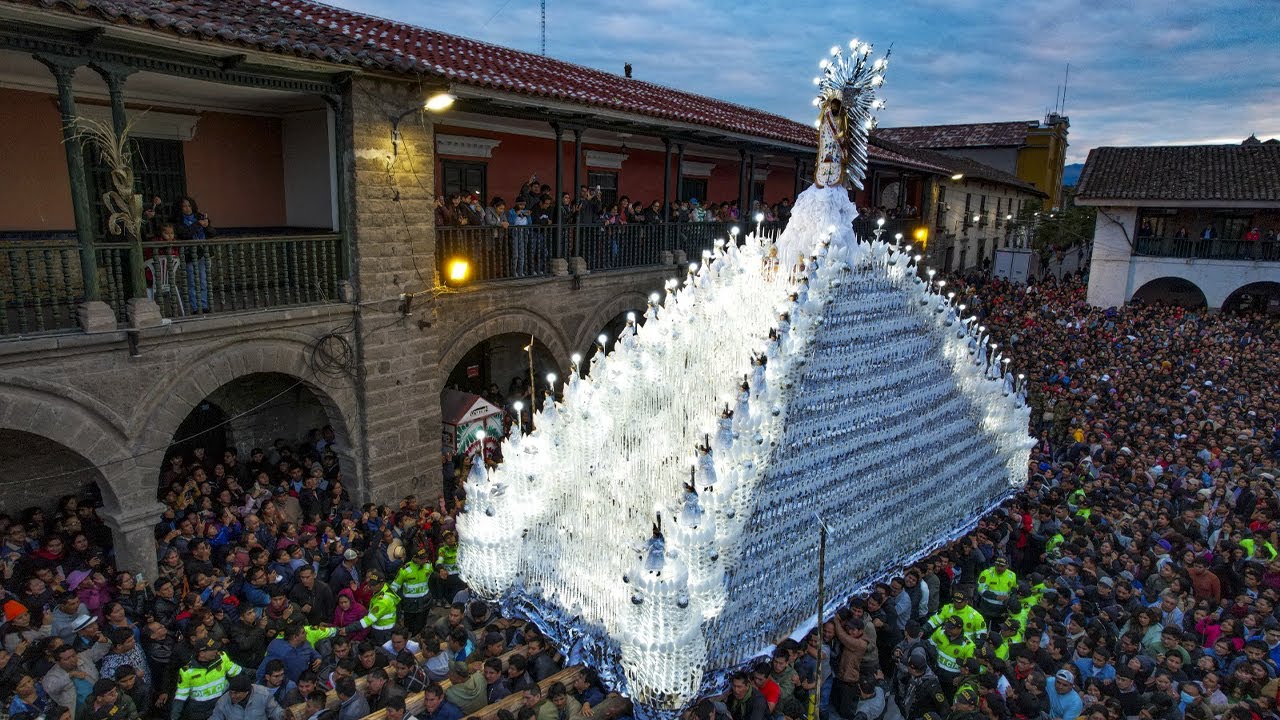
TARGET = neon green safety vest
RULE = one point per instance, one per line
(411, 581)
(447, 558)
(1053, 543)
(1022, 616)
(1002, 652)
(205, 684)
(951, 653)
(974, 623)
(997, 583)
(1248, 545)
(382, 610)
(316, 634)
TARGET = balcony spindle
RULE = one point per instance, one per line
(33, 282)
(51, 287)
(309, 246)
(295, 277)
(16, 300)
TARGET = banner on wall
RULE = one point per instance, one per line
(471, 424)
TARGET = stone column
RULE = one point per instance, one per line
(558, 262)
(133, 534)
(95, 315)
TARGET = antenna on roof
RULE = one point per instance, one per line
(1065, 76)
(544, 28)
(1056, 92)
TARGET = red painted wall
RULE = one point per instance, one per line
(32, 158)
(234, 167)
(640, 177)
(235, 170)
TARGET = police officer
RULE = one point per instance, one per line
(965, 706)
(952, 648)
(202, 682)
(974, 624)
(923, 693)
(382, 610)
(995, 586)
(1010, 634)
(412, 584)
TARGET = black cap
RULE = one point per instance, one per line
(373, 576)
(205, 643)
(917, 662)
(967, 696)
(953, 622)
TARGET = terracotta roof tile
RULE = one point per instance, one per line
(331, 34)
(997, 134)
(1229, 173)
(947, 164)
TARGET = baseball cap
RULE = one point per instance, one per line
(917, 662)
(373, 576)
(954, 622)
(1065, 676)
(420, 555)
(350, 554)
(205, 643)
(968, 696)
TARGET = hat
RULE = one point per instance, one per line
(241, 682)
(1002, 560)
(959, 595)
(693, 201)
(917, 662)
(420, 555)
(1065, 676)
(1011, 625)
(75, 578)
(82, 621)
(953, 622)
(969, 697)
(350, 554)
(493, 638)
(1106, 580)
(205, 643)
(12, 609)
(373, 576)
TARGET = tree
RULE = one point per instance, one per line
(1067, 227)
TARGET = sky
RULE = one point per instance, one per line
(1142, 72)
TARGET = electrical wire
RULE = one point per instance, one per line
(177, 441)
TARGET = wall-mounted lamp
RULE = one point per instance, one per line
(958, 177)
(457, 272)
(438, 102)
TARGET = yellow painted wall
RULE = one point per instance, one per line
(1041, 161)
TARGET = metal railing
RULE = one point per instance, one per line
(1215, 249)
(496, 253)
(41, 283)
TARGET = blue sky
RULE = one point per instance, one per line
(1142, 72)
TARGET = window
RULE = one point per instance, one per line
(608, 184)
(968, 219)
(158, 169)
(694, 188)
(465, 177)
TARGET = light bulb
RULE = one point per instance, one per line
(930, 272)
(706, 254)
(816, 102)
(831, 229)
(950, 296)
(880, 222)
(1022, 376)
(631, 317)
(942, 284)
(653, 297)
(919, 257)
(759, 217)
(817, 124)
(551, 378)
(897, 236)
(734, 230)
(817, 81)
(962, 307)
(853, 44)
(835, 49)
(823, 63)
(603, 339)
(575, 358)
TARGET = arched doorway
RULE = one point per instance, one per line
(1254, 297)
(275, 412)
(611, 331)
(36, 471)
(1170, 291)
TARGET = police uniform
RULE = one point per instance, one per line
(951, 653)
(995, 586)
(201, 684)
(381, 617)
(974, 624)
(412, 584)
(923, 696)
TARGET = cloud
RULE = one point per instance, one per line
(1146, 72)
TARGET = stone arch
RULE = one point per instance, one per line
(76, 426)
(603, 313)
(525, 322)
(167, 405)
(1261, 295)
(1172, 290)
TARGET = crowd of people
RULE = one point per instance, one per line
(1135, 576)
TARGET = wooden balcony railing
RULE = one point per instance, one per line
(1215, 249)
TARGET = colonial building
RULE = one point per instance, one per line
(1031, 150)
(314, 144)
(1192, 225)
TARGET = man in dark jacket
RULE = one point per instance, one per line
(745, 701)
(314, 598)
(247, 639)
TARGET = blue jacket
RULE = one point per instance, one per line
(296, 659)
(446, 711)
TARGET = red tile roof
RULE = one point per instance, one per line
(323, 32)
(997, 134)
(1227, 173)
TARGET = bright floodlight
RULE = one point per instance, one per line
(439, 101)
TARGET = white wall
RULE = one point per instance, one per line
(309, 186)
(1115, 274)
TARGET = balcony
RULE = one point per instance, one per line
(41, 282)
(1190, 248)
(496, 254)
